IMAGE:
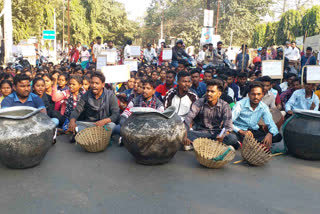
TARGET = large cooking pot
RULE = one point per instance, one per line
(25, 136)
(301, 133)
(153, 137)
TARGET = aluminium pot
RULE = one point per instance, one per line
(301, 133)
(153, 137)
(25, 136)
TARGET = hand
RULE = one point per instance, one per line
(186, 141)
(244, 133)
(290, 112)
(72, 126)
(220, 139)
(313, 105)
(267, 141)
(103, 122)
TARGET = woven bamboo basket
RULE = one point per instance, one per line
(94, 139)
(255, 153)
(207, 149)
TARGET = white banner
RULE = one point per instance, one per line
(208, 18)
(272, 68)
(133, 64)
(313, 74)
(116, 74)
(167, 54)
(135, 51)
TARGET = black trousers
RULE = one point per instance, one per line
(260, 135)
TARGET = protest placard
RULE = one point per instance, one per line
(167, 54)
(272, 68)
(135, 51)
(313, 74)
(133, 64)
(117, 73)
(111, 56)
(101, 61)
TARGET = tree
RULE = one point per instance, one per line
(289, 26)
(258, 38)
(311, 21)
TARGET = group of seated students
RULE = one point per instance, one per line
(207, 101)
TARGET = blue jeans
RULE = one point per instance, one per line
(56, 121)
(174, 63)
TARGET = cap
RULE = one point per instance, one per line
(220, 43)
(149, 45)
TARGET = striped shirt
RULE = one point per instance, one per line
(209, 119)
(244, 117)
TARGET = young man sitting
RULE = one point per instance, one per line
(247, 113)
(209, 115)
(22, 95)
(181, 97)
(304, 99)
(99, 106)
(146, 99)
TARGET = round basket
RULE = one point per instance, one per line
(94, 139)
(207, 149)
(255, 153)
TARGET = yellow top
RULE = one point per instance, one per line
(317, 92)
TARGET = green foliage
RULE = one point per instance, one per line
(289, 26)
(293, 23)
(311, 21)
(184, 19)
(88, 19)
(258, 38)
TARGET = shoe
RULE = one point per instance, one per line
(73, 140)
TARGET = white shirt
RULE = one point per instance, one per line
(182, 105)
(284, 86)
(295, 54)
(201, 56)
(318, 58)
(127, 52)
(231, 93)
(287, 52)
(97, 49)
(149, 55)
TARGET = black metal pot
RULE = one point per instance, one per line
(26, 136)
(301, 134)
(153, 137)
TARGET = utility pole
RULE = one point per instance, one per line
(63, 9)
(284, 5)
(8, 41)
(55, 37)
(68, 22)
(217, 23)
(208, 4)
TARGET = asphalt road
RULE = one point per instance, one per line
(70, 180)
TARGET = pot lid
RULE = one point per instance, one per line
(18, 112)
(310, 113)
(168, 113)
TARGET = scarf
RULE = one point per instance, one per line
(99, 109)
(72, 103)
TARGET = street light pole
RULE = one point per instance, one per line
(8, 41)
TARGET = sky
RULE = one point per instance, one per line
(135, 8)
